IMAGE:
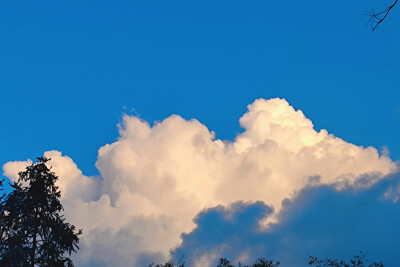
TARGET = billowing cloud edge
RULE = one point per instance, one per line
(155, 179)
(320, 221)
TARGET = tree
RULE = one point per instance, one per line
(167, 264)
(357, 261)
(32, 231)
(223, 262)
(260, 262)
(376, 18)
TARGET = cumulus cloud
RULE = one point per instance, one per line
(320, 221)
(72, 183)
(11, 169)
(155, 179)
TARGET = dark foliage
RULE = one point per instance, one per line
(168, 264)
(261, 262)
(223, 262)
(357, 261)
(32, 231)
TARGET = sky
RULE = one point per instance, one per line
(272, 112)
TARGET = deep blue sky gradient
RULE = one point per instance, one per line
(69, 69)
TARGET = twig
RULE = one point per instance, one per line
(376, 18)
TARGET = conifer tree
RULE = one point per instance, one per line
(32, 230)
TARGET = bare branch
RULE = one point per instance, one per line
(376, 18)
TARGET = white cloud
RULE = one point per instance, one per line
(155, 179)
(319, 221)
(12, 168)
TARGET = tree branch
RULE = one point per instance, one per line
(376, 18)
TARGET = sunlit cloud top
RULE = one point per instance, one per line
(155, 179)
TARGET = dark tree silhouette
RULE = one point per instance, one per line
(168, 264)
(357, 261)
(260, 262)
(223, 262)
(32, 231)
(376, 18)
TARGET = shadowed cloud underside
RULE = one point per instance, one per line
(154, 180)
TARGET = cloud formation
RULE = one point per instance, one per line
(155, 179)
(320, 221)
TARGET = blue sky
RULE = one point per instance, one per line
(72, 66)
(69, 70)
